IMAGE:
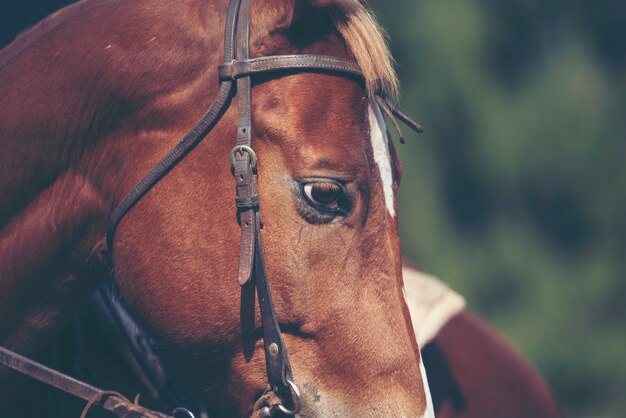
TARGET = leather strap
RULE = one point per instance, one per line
(392, 112)
(251, 256)
(245, 174)
(276, 355)
(301, 63)
(189, 141)
(237, 67)
(111, 401)
(129, 340)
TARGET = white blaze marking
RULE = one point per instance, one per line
(380, 147)
(430, 410)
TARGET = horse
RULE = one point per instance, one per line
(472, 371)
(92, 99)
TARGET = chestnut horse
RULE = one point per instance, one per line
(96, 94)
(472, 371)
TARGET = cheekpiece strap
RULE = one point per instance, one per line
(251, 263)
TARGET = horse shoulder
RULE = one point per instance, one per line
(474, 373)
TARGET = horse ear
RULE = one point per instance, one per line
(288, 14)
(301, 15)
(303, 9)
(288, 11)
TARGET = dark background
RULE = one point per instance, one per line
(515, 195)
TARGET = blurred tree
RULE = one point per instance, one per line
(516, 195)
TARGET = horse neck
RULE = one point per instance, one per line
(51, 212)
(77, 131)
(75, 120)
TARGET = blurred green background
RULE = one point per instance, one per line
(516, 195)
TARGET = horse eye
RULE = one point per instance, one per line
(324, 195)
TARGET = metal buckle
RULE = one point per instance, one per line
(269, 411)
(243, 149)
(182, 413)
(296, 404)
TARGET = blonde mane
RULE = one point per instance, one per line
(368, 42)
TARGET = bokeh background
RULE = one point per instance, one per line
(515, 195)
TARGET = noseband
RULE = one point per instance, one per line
(235, 73)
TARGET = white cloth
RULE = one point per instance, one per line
(431, 303)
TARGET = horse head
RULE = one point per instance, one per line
(327, 177)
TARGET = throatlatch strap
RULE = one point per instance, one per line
(189, 141)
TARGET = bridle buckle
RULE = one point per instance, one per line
(268, 408)
(241, 149)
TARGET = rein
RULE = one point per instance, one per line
(111, 401)
(235, 76)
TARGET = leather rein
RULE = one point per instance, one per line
(235, 75)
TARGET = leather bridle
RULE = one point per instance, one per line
(237, 71)
(235, 76)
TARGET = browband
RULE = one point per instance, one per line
(314, 63)
(228, 72)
